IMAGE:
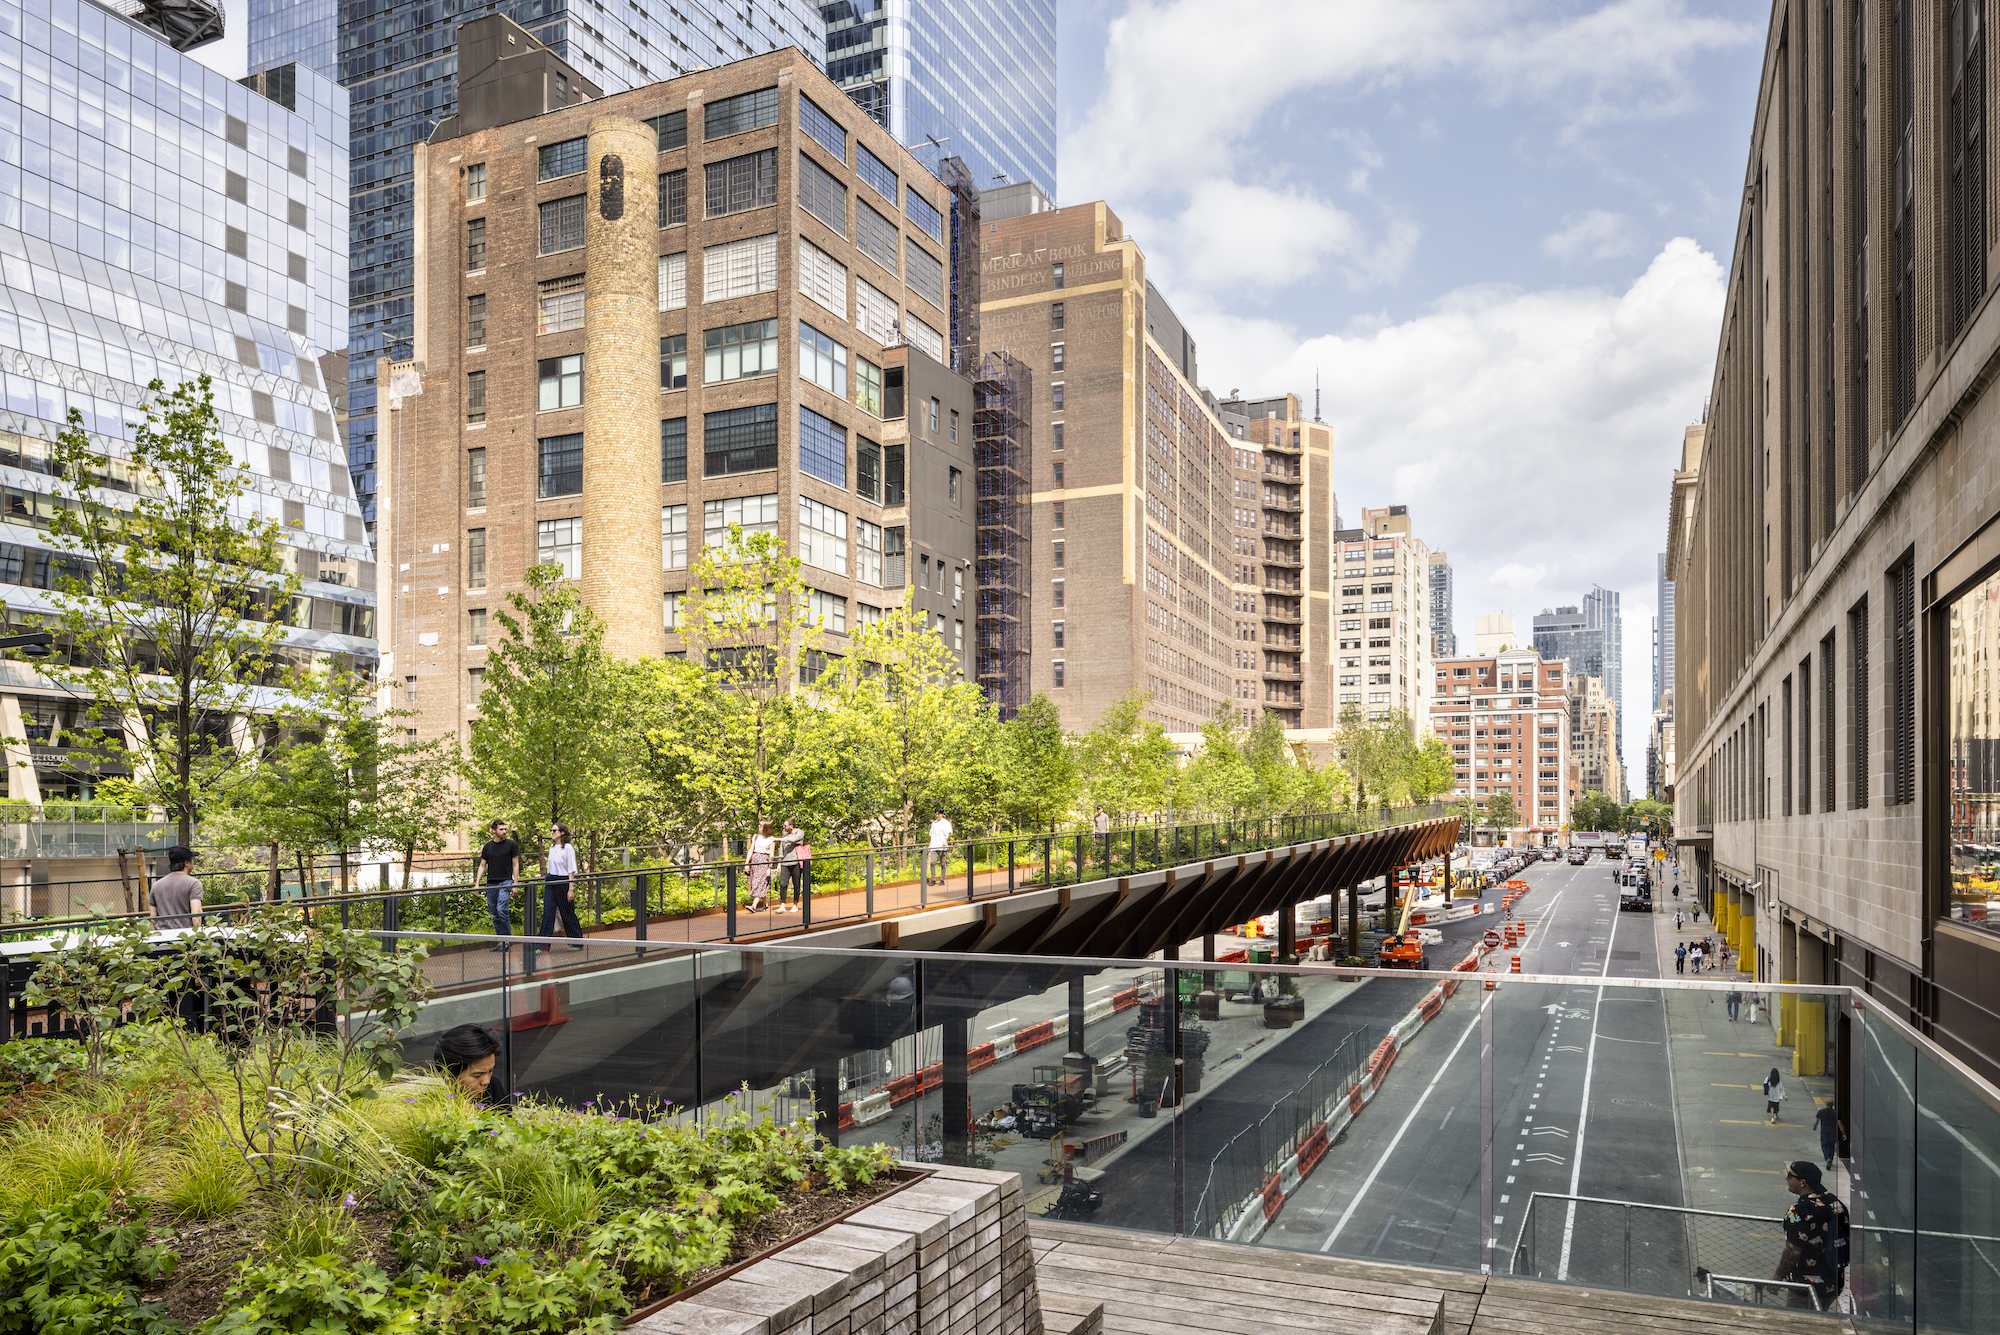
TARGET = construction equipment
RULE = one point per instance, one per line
(1403, 948)
(1055, 1098)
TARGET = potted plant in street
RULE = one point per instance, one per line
(1194, 1045)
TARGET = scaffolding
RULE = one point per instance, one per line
(963, 266)
(1004, 459)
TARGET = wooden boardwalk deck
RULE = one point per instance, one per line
(1159, 1285)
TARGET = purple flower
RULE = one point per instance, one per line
(482, 1260)
(349, 1202)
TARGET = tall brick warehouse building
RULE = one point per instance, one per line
(1505, 717)
(1145, 501)
(719, 299)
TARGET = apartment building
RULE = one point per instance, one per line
(1137, 515)
(711, 301)
(1382, 653)
(1444, 638)
(1506, 719)
(1834, 538)
(1593, 730)
(1280, 560)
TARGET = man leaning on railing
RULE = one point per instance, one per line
(177, 895)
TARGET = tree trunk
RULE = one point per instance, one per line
(271, 882)
(125, 880)
(409, 860)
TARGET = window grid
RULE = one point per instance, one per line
(821, 195)
(740, 440)
(475, 628)
(475, 243)
(828, 610)
(736, 351)
(867, 469)
(756, 514)
(822, 536)
(824, 129)
(673, 200)
(867, 552)
(822, 448)
(674, 362)
(673, 537)
(475, 181)
(923, 213)
(560, 471)
(875, 236)
(822, 360)
(926, 274)
(868, 386)
(874, 312)
(561, 541)
(671, 129)
(475, 396)
(739, 268)
(564, 159)
(737, 185)
(559, 304)
(475, 558)
(674, 282)
(475, 478)
(561, 224)
(923, 336)
(674, 449)
(560, 383)
(895, 558)
(475, 321)
(735, 115)
(875, 173)
(822, 278)
(1857, 642)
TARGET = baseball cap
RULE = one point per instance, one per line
(180, 853)
(1805, 1170)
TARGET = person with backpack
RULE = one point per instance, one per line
(1680, 958)
(1815, 1239)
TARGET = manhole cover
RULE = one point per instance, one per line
(1633, 1103)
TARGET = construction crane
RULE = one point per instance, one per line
(1403, 948)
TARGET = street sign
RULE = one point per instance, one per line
(1492, 939)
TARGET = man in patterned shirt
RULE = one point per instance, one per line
(1815, 1238)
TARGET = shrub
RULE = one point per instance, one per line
(202, 1177)
(318, 1294)
(67, 1270)
(65, 1154)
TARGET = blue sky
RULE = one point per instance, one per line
(1498, 230)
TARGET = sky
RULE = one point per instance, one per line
(1497, 232)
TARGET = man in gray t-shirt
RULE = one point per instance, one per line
(177, 895)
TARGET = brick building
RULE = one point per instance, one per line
(642, 318)
(1383, 647)
(1506, 720)
(1142, 494)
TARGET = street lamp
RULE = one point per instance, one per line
(34, 644)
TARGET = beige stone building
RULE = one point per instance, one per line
(723, 299)
(1383, 648)
(1593, 727)
(1144, 499)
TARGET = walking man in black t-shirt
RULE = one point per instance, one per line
(1815, 1238)
(502, 857)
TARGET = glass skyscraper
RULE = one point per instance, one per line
(167, 222)
(399, 61)
(978, 77)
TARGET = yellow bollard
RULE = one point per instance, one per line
(1788, 1017)
(1809, 1035)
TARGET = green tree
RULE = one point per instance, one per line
(1126, 763)
(172, 606)
(917, 733)
(1038, 779)
(1655, 818)
(550, 740)
(1431, 770)
(1375, 754)
(1500, 812)
(1595, 811)
(1219, 780)
(420, 802)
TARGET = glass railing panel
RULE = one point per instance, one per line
(1882, 1274)
(1957, 1170)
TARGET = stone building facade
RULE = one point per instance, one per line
(1506, 719)
(641, 319)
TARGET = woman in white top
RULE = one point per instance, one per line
(763, 851)
(1774, 1094)
(559, 887)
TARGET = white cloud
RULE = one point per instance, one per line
(1596, 235)
(1295, 235)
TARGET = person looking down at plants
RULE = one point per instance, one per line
(468, 1055)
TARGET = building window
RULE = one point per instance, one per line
(1056, 278)
(1056, 515)
(868, 386)
(674, 449)
(1965, 158)
(923, 213)
(564, 159)
(1056, 397)
(875, 237)
(674, 281)
(1056, 630)
(672, 130)
(561, 383)
(892, 474)
(475, 181)
(755, 514)
(874, 173)
(935, 405)
(1903, 684)
(821, 195)
(1056, 437)
(740, 440)
(1056, 356)
(822, 278)
(475, 478)
(875, 313)
(673, 537)
(670, 610)
(1056, 315)
(1057, 668)
(954, 425)
(867, 552)
(867, 469)
(674, 361)
(822, 360)
(735, 115)
(475, 397)
(828, 611)
(1857, 685)
(475, 683)
(560, 542)
(922, 337)
(822, 536)
(892, 393)
(561, 225)
(559, 303)
(475, 628)
(475, 243)
(1057, 465)
(475, 558)
(825, 130)
(739, 350)
(957, 583)
(895, 561)
(740, 268)
(1056, 592)
(926, 273)
(737, 185)
(952, 479)
(822, 447)
(561, 471)
(958, 637)
(1827, 716)
(475, 321)
(409, 690)
(673, 201)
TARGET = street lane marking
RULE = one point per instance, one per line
(1717, 1084)
(1397, 1139)
(1583, 1112)
(1772, 1171)
(1730, 1121)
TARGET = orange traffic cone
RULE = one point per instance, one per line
(1517, 965)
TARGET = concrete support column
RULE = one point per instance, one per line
(1288, 930)
(1078, 1057)
(1208, 956)
(956, 1084)
(622, 580)
(1353, 920)
(21, 783)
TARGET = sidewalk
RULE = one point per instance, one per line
(1732, 1158)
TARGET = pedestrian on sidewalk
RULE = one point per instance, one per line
(559, 887)
(1815, 1239)
(502, 858)
(794, 867)
(1681, 958)
(1734, 1000)
(1774, 1094)
(763, 847)
(1827, 1119)
(934, 860)
(1694, 958)
(1677, 920)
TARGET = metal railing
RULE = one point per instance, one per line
(729, 899)
(1662, 1249)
